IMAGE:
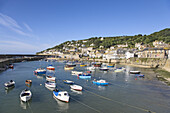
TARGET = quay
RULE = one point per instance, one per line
(7, 59)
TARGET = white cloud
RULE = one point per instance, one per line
(27, 26)
(13, 25)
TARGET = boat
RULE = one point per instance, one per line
(9, 84)
(104, 69)
(84, 76)
(140, 75)
(118, 70)
(82, 65)
(100, 82)
(110, 65)
(76, 87)
(134, 72)
(25, 95)
(68, 68)
(50, 78)
(68, 82)
(50, 84)
(97, 65)
(76, 72)
(28, 82)
(92, 68)
(11, 66)
(40, 71)
(88, 71)
(61, 95)
(71, 64)
(50, 67)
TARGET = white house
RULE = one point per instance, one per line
(129, 54)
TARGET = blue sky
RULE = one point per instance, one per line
(29, 26)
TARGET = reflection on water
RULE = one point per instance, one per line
(24, 105)
(62, 106)
(39, 76)
(77, 92)
(28, 85)
(9, 89)
(102, 87)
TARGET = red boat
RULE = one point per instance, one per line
(50, 67)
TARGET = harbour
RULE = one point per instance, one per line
(125, 93)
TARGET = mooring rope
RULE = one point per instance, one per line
(139, 108)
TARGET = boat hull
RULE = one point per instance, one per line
(98, 83)
(134, 72)
(76, 87)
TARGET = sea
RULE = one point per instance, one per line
(126, 93)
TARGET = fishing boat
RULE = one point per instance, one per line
(50, 84)
(110, 65)
(50, 78)
(28, 82)
(40, 71)
(76, 72)
(68, 82)
(50, 67)
(61, 95)
(84, 75)
(104, 69)
(68, 68)
(134, 72)
(25, 95)
(9, 84)
(76, 87)
(100, 82)
(140, 75)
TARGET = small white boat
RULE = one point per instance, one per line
(134, 72)
(61, 95)
(50, 84)
(25, 95)
(76, 72)
(118, 70)
(76, 87)
(50, 78)
(104, 69)
(68, 82)
(9, 84)
(92, 68)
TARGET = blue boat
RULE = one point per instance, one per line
(139, 75)
(84, 76)
(40, 71)
(100, 82)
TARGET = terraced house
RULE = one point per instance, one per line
(153, 53)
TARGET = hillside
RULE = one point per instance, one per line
(106, 42)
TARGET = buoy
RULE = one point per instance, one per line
(40, 84)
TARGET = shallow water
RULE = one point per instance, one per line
(124, 94)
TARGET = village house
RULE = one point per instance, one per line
(152, 53)
(129, 54)
(140, 46)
